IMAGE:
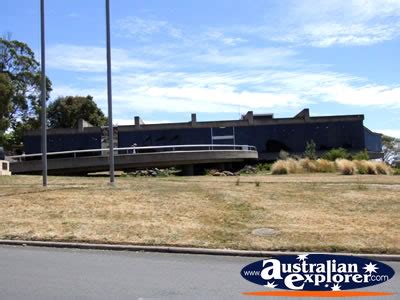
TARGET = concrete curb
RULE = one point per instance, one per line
(182, 250)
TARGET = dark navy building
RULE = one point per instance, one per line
(268, 134)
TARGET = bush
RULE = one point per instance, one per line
(293, 166)
(345, 166)
(362, 155)
(279, 168)
(365, 167)
(309, 165)
(396, 171)
(289, 166)
(263, 167)
(326, 166)
(383, 168)
(310, 151)
(336, 153)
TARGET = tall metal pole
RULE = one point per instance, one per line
(109, 95)
(43, 94)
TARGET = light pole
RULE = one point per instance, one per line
(109, 95)
(43, 94)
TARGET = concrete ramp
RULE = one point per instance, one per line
(88, 164)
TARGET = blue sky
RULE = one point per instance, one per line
(223, 58)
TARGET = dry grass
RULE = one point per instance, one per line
(326, 166)
(346, 167)
(287, 166)
(365, 167)
(309, 165)
(279, 167)
(343, 166)
(382, 168)
(311, 212)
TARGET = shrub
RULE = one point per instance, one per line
(345, 166)
(361, 167)
(365, 167)
(371, 168)
(293, 166)
(326, 166)
(383, 168)
(308, 165)
(263, 167)
(279, 167)
(336, 153)
(310, 151)
(396, 171)
(362, 155)
(289, 166)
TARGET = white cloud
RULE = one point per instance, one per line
(92, 59)
(328, 34)
(229, 92)
(247, 57)
(140, 27)
(390, 132)
(330, 22)
(219, 36)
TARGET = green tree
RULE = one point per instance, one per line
(310, 150)
(65, 112)
(19, 90)
(390, 148)
(5, 105)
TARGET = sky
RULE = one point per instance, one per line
(222, 58)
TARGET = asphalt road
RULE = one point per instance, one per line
(45, 273)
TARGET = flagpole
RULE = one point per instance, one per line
(109, 96)
(43, 94)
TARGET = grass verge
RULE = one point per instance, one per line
(310, 212)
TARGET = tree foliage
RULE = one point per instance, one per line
(336, 153)
(362, 155)
(19, 90)
(65, 112)
(390, 148)
(310, 150)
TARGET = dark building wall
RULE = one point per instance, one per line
(164, 137)
(63, 142)
(267, 138)
(373, 140)
(268, 134)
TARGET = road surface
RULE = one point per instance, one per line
(46, 273)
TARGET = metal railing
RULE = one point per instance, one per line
(138, 150)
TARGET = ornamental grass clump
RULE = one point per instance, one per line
(279, 167)
(288, 166)
(383, 168)
(365, 167)
(346, 167)
(326, 166)
(293, 166)
(370, 166)
(308, 165)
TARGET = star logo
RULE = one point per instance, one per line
(271, 285)
(336, 287)
(370, 268)
(302, 257)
